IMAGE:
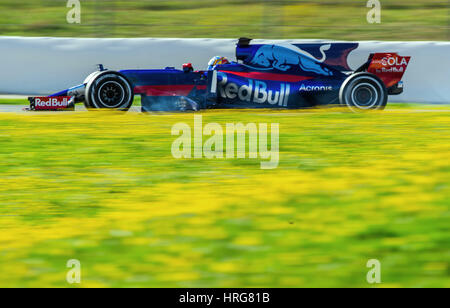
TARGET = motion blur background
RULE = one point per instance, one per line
(326, 19)
(103, 187)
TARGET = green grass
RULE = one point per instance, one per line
(401, 19)
(13, 101)
(103, 188)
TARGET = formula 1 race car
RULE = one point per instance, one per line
(263, 76)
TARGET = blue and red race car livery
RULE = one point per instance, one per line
(263, 76)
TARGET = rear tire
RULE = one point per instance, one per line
(109, 90)
(363, 91)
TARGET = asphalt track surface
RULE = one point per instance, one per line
(21, 109)
(136, 109)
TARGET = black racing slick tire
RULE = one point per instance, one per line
(363, 91)
(109, 90)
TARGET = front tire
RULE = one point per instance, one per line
(109, 90)
(363, 91)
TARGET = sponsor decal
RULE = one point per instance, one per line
(390, 67)
(305, 88)
(255, 91)
(333, 54)
(394, 69)
(284, 59)
(393, 65)
(51, 103)
(394, 61)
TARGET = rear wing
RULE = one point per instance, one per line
(389, 67)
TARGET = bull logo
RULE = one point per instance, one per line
(283, 59)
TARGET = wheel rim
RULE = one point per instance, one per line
(364, 96)
(111, 94)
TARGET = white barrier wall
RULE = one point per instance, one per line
(46, 65)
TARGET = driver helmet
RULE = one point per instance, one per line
(187, 68)
(217, 61)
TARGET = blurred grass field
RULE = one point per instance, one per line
(320, 19)
(103, 188)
